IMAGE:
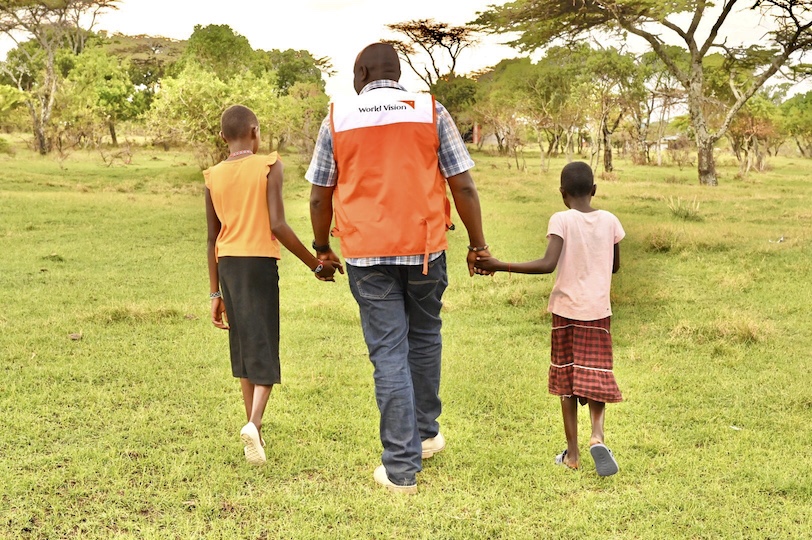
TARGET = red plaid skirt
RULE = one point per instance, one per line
(581, 360)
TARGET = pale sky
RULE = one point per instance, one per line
(338, 29)
(335, 28)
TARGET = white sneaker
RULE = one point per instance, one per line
(381, 477)
(254, 453)
(433, 445)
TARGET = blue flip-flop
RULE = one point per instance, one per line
(605, 463)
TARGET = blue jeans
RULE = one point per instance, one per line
(400, 317)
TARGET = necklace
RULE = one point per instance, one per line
(240, 153)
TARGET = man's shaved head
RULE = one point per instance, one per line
(237, 122)
(376, 61)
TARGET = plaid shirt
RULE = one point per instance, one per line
(453, 159)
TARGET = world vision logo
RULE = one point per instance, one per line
(388, 107)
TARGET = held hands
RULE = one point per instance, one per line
(473, 258)
(487, 265)
(218, 313)
(331, 263)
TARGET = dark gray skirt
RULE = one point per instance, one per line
(250, 287)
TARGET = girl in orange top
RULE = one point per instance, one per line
(246, 223)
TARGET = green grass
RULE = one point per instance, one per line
(120, 418)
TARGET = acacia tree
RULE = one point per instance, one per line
(219, 50)
(292, 67)
(51, 25)
(442, 43)
(756, 132)
(150, 59)
(797, 112)
(618, 89)
(662, 93)
(535, 98)
(540, 22)
(99, 93)
(556, 85)
(499, 103)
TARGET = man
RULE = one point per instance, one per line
(381, 165)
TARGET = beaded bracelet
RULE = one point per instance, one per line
(477, 249)
(216, 294)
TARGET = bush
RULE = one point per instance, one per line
(5, 147)
(662, 241)
(688, 211)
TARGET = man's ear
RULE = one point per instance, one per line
(223, 137)
(594, 189)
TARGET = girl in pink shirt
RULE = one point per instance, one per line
(584, 246)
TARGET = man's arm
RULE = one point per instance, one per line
(466, 201)
(322, 174)
(321, 218)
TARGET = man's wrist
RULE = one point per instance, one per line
(321, 249)
(477, 249)
(215, 294)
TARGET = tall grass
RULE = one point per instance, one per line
(120, 418)
(685, 210)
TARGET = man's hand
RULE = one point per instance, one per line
(471, 259)
(329, 268)
(331, 263)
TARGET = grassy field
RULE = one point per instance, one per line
(120, 419)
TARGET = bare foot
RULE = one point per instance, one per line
(594, 440)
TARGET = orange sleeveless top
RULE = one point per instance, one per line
(239, 193)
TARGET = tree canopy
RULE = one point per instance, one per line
(438, 41)
(52, 26)
(538, 23)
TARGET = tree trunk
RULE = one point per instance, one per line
(705, 163)
(112, 127)
(43, 144)
(607, 150)
(661, 134)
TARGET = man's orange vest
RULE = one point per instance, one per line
(390, 198)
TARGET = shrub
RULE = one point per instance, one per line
(662, 241)
(688, 211)
(5, 147)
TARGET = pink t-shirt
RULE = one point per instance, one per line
(584, 272)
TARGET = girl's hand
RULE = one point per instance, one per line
(487, 265)
(329, 269)
(218, 313)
